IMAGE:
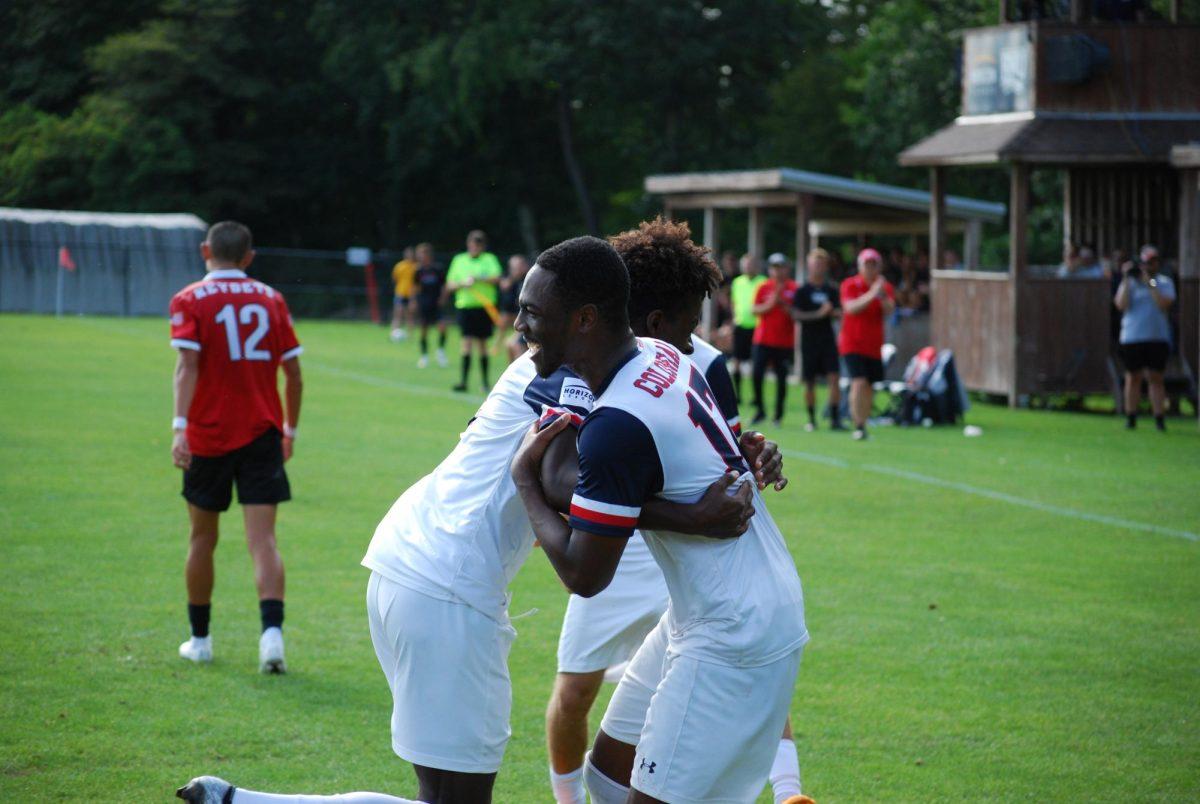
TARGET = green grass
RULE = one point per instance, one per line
(964, 647)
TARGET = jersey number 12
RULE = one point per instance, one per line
(250, 350)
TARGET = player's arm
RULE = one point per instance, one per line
(717, 514)
(585, 561)
(859, 303)
(887, 298)
(293, 390)
(187, 371)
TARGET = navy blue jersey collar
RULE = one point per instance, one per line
(630, 355)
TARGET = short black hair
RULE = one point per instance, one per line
(229, 241)
(587, 270)
(666, 269)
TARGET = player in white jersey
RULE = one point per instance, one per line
(668, 275)
(735, 626)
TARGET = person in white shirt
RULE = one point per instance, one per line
(733, 634)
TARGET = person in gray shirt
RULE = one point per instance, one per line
(1144, 297)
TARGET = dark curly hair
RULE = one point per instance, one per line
(666, 269)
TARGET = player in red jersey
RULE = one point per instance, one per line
(232, 334)
(867, 299)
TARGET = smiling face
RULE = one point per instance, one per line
(544, 322)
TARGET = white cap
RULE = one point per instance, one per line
(778, 258)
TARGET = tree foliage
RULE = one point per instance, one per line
(323, 122)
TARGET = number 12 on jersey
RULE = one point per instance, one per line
(705, 414)
(230, 316)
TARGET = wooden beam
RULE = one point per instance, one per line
(712, 239)
(754, 235)
(971, 242)
(1018, 231)
(937, 216)
(855, 226)
(733, 200)
(803, 218)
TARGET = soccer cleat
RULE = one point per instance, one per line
(197, 649)
(810, 427)
(441, 358)
(799, 798)
(423, 362)
(397, 335)
(777, 422)
(206, 790)
(270, 652)
(860, 434)
(460, 388)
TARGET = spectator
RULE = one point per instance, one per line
(430, 279)
(402, 280)
(510, 297)
(1081, 265)
(867, 299)
(1143, 297)
(729, 272)
(912, 294)
(774, 336)
(816, 306)
(1070, 261)
(951, 261)
(741, 296)
(473, 279)
(894, 265)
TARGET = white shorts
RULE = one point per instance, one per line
(447, 666)
(603, 631)
(704, 732)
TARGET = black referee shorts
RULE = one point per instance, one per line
(475, 323)
(818, 359)
(1141, 355)
(743, 343)
(257, 468)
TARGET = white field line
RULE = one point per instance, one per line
(999, 496)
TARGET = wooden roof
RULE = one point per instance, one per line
(834, 197)
(1056, 139)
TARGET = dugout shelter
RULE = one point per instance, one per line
(1108, 95)
(106, 263)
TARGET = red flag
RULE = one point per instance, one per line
(64, 259)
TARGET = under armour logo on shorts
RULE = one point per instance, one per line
(648, 768)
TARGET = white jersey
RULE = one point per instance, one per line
(461, 532)
(711, 362)
(656, 430)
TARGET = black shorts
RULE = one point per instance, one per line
(862, 366)
(779, 357)
(475, 323)
(430, 313)
(257, 467)
(818, 358)
(1150, 355)
(743, 343)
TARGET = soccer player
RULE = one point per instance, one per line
(669, 275)
(867, 299)
(722, 663)
(473, 279)
(510, 293)
(402, 280)
(430, 280)
(742, 291)
(774, 335)
(816, 306)
(232, 334)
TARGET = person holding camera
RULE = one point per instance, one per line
(1144, 297)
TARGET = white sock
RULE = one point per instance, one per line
(602, 789)
(785, 772)
(568, 787)
(241, 796)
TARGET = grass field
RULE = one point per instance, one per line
(1015, 616)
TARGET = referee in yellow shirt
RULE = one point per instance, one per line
(402, 277)
(473, 279)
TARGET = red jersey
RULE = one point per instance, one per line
(862, 332)
(776, 327)
(242, 330)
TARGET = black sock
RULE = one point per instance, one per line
(441, 339)
(198, 617)
(466, 368)
(272, 613)
(1131, 420)
(812, 414)
(835, 416)
(483, 370)
(424, 344)
(1160, 422)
